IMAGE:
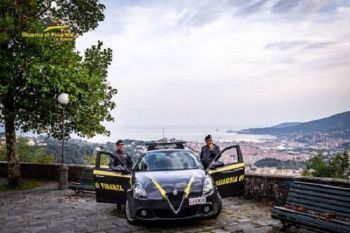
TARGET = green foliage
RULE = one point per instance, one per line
(318, 166)
(74, 149)
(34, 71)
(29, 153)
(340, 164)
(91, 160)
(23, 186)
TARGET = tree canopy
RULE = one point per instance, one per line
(35, 70)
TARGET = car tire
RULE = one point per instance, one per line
(130, 218)
(219, 209)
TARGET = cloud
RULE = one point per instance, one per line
(225, 62)
(283, 45)
(252, 8)
(283, 6)
(320, 45)
(203, 12)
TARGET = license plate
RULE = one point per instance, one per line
(197, 201)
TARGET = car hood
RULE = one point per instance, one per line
(171, 180)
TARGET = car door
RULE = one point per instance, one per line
(228, 172)
(110, 186)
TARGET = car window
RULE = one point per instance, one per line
(168, 160)
(229, 156)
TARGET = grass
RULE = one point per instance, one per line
(25, 185)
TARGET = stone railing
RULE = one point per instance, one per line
(266, 188)
(274, 189)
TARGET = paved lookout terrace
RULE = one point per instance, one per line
(45, 209)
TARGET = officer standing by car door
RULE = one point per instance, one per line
(121, 161)
(209, 151)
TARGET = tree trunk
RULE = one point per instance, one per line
(14, 169)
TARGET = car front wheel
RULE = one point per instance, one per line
(219, 209)
(128, 214)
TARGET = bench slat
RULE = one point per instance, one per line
(322, 185)
(320, 194)
(317, 206)
(320, 198)
(321, 188)
(86, 181)
(81, 187)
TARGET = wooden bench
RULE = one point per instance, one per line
(315, 207)
(86, 182)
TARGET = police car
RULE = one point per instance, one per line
(168, 182)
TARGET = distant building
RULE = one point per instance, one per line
(2, 141)
(31, 142)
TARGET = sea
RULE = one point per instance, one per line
(192, 134)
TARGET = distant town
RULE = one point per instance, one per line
(284, 154)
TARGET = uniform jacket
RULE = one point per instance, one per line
(120, 162)
(207, 155)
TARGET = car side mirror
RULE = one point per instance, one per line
(217, 164)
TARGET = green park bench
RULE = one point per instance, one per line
(315, 207)
(85, 183)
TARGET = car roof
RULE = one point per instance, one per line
(166, 145)
(166, 150)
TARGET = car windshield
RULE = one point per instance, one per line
(168, 160)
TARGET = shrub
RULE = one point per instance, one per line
(318, 166)
(91, 160)
(29, 153)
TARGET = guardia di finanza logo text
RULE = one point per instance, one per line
(58, 33)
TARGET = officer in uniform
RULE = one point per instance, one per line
(120, 161)
(209, 151)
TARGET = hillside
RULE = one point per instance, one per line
(286, 124)
(338, 122)
(76, 149)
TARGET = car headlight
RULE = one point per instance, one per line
(139, 191)
(208, 186)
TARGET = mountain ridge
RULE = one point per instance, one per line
(336, 122)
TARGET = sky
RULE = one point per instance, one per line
(236, 64)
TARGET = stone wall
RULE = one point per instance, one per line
(274, 189)
(44, 171)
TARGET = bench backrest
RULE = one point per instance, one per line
(320, 198)
(86, 177)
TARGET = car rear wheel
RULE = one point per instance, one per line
(129, 217)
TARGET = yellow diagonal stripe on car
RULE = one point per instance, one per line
(188, 187)
(159, 187)
(227, 167)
